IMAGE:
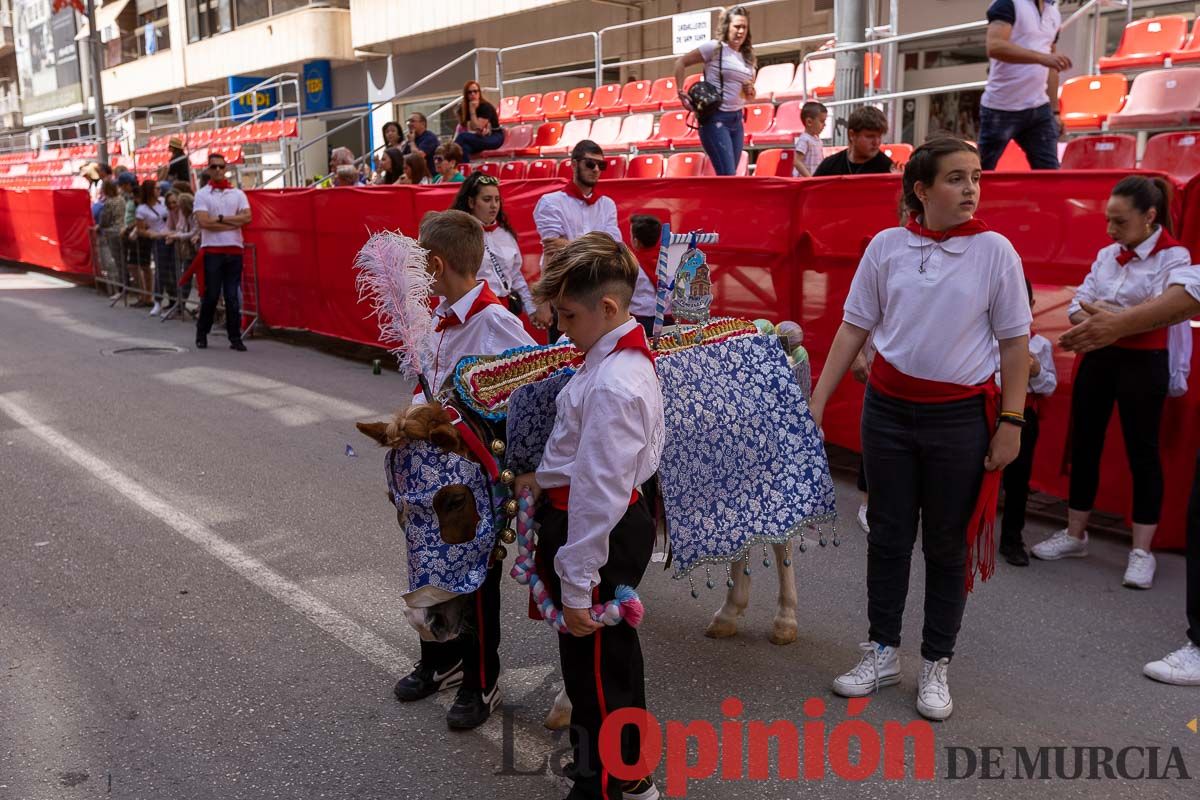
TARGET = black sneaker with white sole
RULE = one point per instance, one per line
(472, 707)
(424, 681)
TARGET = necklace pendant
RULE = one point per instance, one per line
(921, 269)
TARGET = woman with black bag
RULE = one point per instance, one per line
(718, 100)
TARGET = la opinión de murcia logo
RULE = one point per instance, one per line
(854, 749)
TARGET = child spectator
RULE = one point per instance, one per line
(809, 150)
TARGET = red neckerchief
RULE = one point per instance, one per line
(492, 227)
(634, 340)
(573, 190)
(647, 258)
(221, 183)
(887, 380)
(486, 298)
(968, 228)
(1165, 240)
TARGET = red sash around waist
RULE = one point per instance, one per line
(887, 380)
(1150, 340)
(557, 496)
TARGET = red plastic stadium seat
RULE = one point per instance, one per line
(672, 126)
(1087, 100)
(634, 128)
(508, 110)
(1013, 159)
(663, 94)
(1191, 51)
(605, 132)
(291, 128)
(743, 167)
(647, 166)
(489, 168)
(759, 117)
(529, 108)
(1177, 154)
(604, 99)
(1161, 98)
(872, 71)
(565, 170)
(685, 165)
(516, 139)
(784, 129)
(573, 132)
(771, 79)
(512, 170)
(633, 93)
(548, 134)
(1108, 151)
(777, 163)
(899, 153)
(615, 167)
(540, 168)
(577, 100)
(554, 105)
(1147, 43)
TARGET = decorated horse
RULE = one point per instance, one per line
(743, 469)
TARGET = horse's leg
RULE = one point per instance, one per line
(725, 621)
(783, 631)
(559, 717)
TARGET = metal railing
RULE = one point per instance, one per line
(596, 70)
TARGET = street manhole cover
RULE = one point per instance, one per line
(144, 351)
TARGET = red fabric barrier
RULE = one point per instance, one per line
(788, 250)
(47, 228)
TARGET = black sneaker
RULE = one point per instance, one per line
(241, 348)
(472, 707)
(424, 681)
(1015, 554)
(640, 790)
(201, 342)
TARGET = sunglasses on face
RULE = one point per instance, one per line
(216, 166)
(591, 163)
(472, 91)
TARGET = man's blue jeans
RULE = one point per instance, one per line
(1034, 129)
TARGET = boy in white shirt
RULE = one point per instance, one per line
(470, 321)
(596, 531)
(810, 152)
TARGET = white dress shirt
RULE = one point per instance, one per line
(939, 324)
(560, 215)
(216, 203)
(501, 267)
(488, 332)
(607, 441)
(1045, 382)
(1142, 279)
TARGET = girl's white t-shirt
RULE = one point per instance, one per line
(155, 218)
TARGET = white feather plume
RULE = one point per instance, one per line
(392, 276)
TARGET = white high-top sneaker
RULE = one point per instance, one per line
(878, 667)
(933, 691)
(1061, 545)
(1181, 668)
(1139, 573)
(862, 518)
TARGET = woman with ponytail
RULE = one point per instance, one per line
(1133, 373)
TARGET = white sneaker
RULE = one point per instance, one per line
(878, 667)
(862, 518)
(155, 311)
(1061, 545)
(1139, 573)
(1181, 668)
(933, 691)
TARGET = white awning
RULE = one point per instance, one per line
(106, 17)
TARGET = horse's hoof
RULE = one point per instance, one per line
(783, 632)
(721, 628)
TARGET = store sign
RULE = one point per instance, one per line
(247, 103)
(689, 31)
(318, 86)
(47, 57)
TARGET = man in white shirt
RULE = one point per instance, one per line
(222, 210)
(1021, 98)
(564, 216)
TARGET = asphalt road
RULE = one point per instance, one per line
(200, 598)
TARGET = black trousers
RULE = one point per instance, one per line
(1137, 381)
(1193, 559)
(924, 464)
(222, 275)
(1016, 484)
(604, 671)
(478, 647)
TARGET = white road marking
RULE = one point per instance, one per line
(345, 630)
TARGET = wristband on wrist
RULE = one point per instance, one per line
(1012, 418)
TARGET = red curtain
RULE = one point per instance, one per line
(788, 250)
